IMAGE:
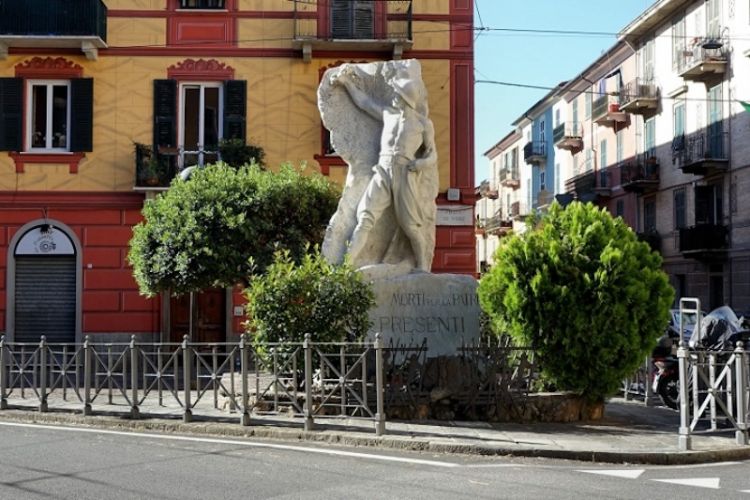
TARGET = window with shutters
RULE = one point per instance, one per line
(202, 4)
(353, 19)
(201, 106)
(48, 115)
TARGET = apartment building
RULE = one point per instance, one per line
(653, 130)
(84, 83)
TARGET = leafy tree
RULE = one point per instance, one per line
(236, 152)
(331, 302)
(584, 293)
(223, 224)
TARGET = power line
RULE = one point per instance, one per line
(597, 93)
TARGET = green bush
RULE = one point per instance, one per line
(222, 225)
(237, 153)
(331, 302)
(584, 293)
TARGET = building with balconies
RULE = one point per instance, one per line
(104, 102)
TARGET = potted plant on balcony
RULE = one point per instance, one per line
(149, 169)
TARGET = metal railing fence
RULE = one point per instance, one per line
(714, 388)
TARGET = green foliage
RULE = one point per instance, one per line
(224, 224)
(236, 153)
(328, 301)
(582, 291)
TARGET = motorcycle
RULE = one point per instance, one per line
(720, 331)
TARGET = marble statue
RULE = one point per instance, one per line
(377, 114)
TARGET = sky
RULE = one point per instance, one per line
(538, 59)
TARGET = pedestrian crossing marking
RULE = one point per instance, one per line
(700, 482)
(625, 473)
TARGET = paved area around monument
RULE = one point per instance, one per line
(629, 433)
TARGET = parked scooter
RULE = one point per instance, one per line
(720, 331)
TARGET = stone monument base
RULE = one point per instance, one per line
(442, 309)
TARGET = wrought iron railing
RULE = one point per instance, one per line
(572, 130)
(307, 381)
(54, 18)
(709, 145)
(714, 387)
(534, 150)
(645, 168)
(639, 88)
(704, 237)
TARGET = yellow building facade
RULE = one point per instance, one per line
(79, 88)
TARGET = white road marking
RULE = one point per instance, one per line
(492, 466)
(700, 482)
(626, 473)
(249, 444)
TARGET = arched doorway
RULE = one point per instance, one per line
(44, 284)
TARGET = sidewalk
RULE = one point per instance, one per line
(629, 432)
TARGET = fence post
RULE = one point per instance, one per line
(741, 388)
(86, 376)
(380, 415)
(43, 374)
(134, 411)
(187, 416)
(306, 345)
(3, 377)
(245, 417)
(684, 440)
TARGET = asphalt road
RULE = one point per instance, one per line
(59, 462)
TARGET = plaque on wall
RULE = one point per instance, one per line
(455, 215)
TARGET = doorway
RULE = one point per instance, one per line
(208, 316)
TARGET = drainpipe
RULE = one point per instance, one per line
(729, 196)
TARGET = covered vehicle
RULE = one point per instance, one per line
(720, 330)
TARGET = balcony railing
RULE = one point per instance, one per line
(700, 63)
(639, 96)
(519, 210)
(606, 111)
(59, 23)
(568, 136)
(535, 152)
(153, 171)
(582, 186)
(640, 175)
(704, 239)
(509, 177)
(604, 183)
(345, 31)
(704, 153)
(496, 224)
(653, 238)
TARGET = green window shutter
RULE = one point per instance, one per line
(11, 118)
(364, 19)
(341, 19)
(235, 109)
(81, 114)
(165, 113)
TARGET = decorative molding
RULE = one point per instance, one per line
(200, 69)
(48, 67)
(72, 159)
(71, 199)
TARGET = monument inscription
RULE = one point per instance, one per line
(441, 309)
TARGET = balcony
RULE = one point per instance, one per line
(496, 225)
(509, 178)
(385, 28)
(653, 238)
(486, 191)
(518, 210)
(60, 24)
(582, 186)
(606, 111)
(153, 172)
(568, 136)
(701, 64)
(639, 97)
(640, 176)
(704, 153)
(704, 241)
(535, 152)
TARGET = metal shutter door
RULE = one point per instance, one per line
(45, 298)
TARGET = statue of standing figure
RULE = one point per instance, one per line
(402, 183)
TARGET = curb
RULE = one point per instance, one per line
(352, 439)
